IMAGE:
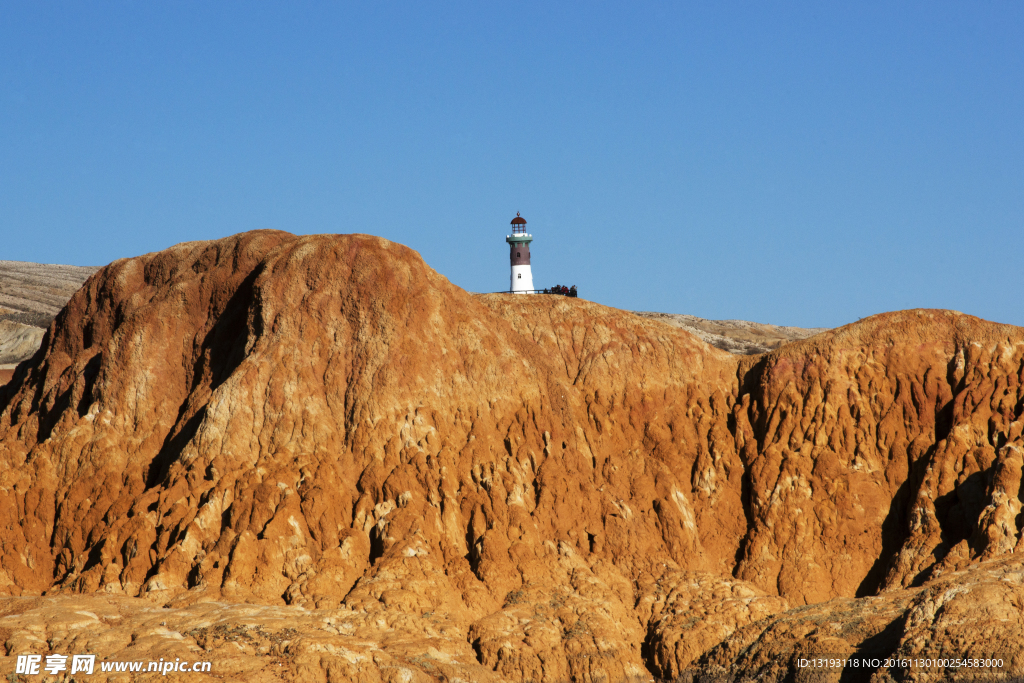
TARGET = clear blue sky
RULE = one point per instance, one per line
(803, 164)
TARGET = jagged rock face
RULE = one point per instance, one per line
(546, 487)
(875, 449)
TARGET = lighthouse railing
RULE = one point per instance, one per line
(572, 293)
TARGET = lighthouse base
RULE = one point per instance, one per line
(522, 280)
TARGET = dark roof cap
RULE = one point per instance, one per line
(518, 220)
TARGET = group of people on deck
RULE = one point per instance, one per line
(561, 289)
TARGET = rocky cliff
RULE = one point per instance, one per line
(431, 485)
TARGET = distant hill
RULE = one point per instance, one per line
(31, 295)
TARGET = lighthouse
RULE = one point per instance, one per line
(519, 256)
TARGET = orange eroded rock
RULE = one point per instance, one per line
(576, 492)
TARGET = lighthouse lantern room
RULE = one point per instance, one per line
(519, 256)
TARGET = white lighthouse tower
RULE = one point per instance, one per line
(519, 256)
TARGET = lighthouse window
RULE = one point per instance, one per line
(520, 276)
(518, 254)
